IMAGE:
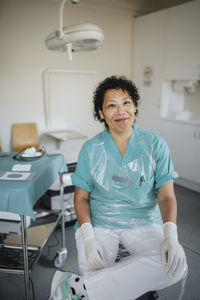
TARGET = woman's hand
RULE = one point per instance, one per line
(172, 253)
(94, 252)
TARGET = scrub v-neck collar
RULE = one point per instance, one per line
(133, 149)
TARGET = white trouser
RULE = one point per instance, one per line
(133, 276)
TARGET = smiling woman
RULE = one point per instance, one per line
(110, 85)
(124, 199)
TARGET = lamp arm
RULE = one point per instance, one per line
(60, 33)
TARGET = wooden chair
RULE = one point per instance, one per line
(24, 135)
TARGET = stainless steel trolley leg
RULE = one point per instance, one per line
(62, 253)
(63, 210)
(25, 257)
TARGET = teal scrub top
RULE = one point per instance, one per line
(123, 189)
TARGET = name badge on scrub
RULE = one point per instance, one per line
(128, 181)
(121, 179)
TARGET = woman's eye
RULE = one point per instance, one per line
(127, 102)
(110, 106)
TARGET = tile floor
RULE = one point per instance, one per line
(11, 285)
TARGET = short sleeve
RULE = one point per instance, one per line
(164, 166)
(82, 177)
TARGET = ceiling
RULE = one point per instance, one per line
(134, 8)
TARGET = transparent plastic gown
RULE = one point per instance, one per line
(123, 190)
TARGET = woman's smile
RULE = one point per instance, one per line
(121, 120)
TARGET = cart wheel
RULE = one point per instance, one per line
(61, 257)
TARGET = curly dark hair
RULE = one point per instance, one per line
(113, 82)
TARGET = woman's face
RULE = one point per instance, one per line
(118, 111)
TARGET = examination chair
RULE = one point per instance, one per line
(24, 135)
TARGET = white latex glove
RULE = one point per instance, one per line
(172, 253)
(94, 252)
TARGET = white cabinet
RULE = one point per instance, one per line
(182, 42)
(184, 143)
(168, 41)
(196, 137)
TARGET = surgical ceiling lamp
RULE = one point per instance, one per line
(74, 38)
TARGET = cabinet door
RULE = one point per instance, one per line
(196, 135)
(181, 142)
(182, 42)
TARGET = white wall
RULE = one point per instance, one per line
(23, 27)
